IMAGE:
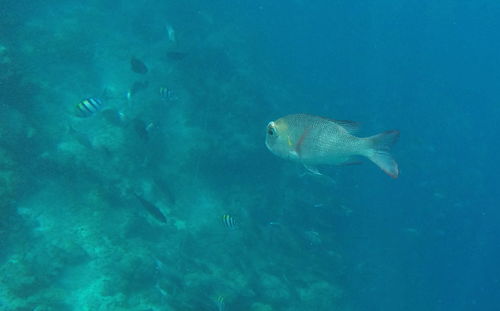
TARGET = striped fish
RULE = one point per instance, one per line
(221, 305)
(229, 221)
(88, 107)
(167, 95)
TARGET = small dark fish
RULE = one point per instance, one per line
(176, 55)
(152, 209)
(138, 66)
(229, 221)
(88, 107)
(137, 87)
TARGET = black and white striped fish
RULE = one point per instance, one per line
(167, 95)
(219, 302)
(229, 221)
(88, 107)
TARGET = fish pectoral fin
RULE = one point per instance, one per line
(293, 155)
(312, 169)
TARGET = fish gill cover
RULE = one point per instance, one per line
(168, 199)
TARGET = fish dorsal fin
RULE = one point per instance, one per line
(350, 126)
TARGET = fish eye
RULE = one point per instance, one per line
(271, 130)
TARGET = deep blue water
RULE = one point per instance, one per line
(73, 235)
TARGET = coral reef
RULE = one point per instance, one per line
(74, 235)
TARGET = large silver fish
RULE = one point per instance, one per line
(313, 140)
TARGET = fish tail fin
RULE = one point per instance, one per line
(378, 152)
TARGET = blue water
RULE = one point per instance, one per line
(75, 236)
